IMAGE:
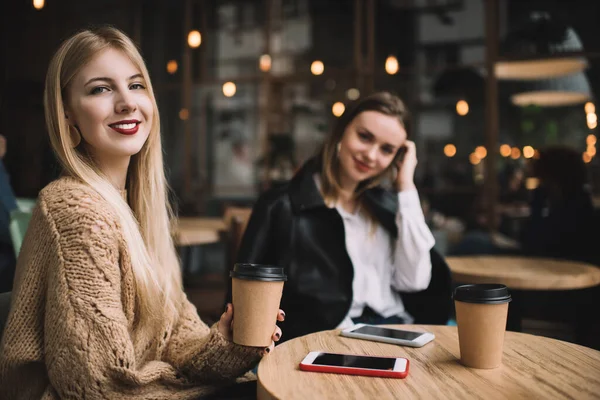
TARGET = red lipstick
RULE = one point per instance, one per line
(362, 167)
(126, 126)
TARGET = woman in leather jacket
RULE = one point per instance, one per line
(349, 246)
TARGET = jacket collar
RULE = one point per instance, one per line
(304, 195)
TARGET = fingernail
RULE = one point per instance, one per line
(267, 349)
(283, 314)
(277, 335)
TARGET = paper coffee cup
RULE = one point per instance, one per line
(256, 294)
(481, 312)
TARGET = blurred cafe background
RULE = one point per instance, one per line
(248, 89)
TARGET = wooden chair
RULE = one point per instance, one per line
(209, 297)
(236, 219)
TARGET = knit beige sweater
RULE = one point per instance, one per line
(69, 333)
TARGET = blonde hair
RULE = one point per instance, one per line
(146, 220)
(383, 102)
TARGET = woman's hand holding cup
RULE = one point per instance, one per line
(226, 327)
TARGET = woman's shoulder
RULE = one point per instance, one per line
(70, 199)
(66, 185)
(275, 194)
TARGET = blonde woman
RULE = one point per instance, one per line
(352, 247)
(98, 310)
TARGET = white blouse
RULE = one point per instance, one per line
(381, 270)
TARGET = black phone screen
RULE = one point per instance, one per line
(343, 360)
(387, 332)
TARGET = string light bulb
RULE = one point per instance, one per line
(264, 63)
(590, 140)
(229, 89)
(172, 67)
(462, 108)
(481, 152)
(589, 107)
(194, 39)
(317, 67)
(391, 65)
(338, 109)
(450, 150)
(515, 153)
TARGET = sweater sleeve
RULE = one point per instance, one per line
(89, 348)
(202, 354)
(412, 262)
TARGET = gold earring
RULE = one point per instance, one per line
(75, 136)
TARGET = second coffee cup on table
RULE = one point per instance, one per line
(256, 294)
(481, 313)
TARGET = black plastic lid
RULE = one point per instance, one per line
(489, 293)
(258, 272)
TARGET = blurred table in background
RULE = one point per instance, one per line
(538, 275)
(193, 231)
(524, 273)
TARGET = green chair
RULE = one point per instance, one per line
(4, 309)
(25, 204)
(19, 220)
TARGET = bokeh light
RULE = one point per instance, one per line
(590, 107)
(194, 39)
(353, 94)
(462, 107)
(338, 109)
(264, 63)
(473, 159)
(184, 114)
(481, 152)
(515, 153)
(229, 89)
(317, 67)
(391, 65)
(172, 67)
(450, 150)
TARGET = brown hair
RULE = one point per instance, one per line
(383, 102)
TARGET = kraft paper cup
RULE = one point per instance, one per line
(256, 293)
(481, 313)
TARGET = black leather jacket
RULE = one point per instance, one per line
(292, 227)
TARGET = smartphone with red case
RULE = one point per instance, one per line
(352, 364)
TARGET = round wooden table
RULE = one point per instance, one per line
(533, 367)
(524, 273)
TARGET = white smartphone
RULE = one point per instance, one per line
(354, 364)
(388, 335)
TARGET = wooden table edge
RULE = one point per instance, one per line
(264, 394)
